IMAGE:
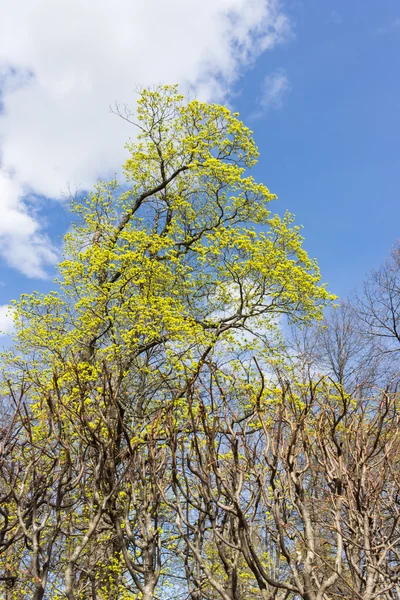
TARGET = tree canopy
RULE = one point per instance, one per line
(157, 440)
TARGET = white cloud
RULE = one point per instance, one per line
(22, 244)
(62, 64)
(6, 320)
(275, 89)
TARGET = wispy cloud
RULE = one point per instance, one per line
(274, 92)
(386, 29)
(336, 18)
(64, 63)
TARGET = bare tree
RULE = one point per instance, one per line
(300, 497)
(378, 305)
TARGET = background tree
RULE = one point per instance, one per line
(378, 308)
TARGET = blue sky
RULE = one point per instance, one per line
(332, 152)
(317, 81)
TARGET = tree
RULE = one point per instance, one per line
(299, 494)
(343, 350)
(182, 263)
(378, 305)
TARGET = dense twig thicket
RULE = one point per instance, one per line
(159, 437)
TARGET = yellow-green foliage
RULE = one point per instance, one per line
(159, 272)
(186, 252)
(185, 255)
